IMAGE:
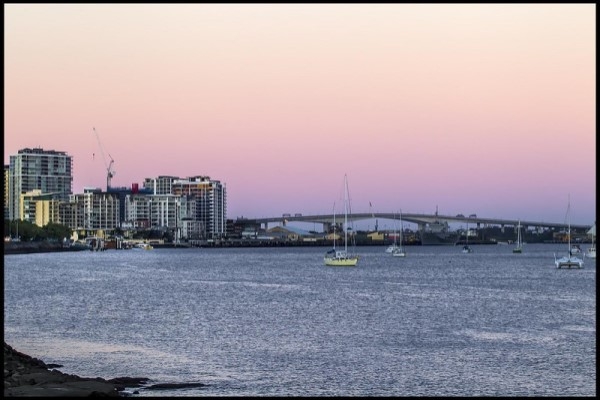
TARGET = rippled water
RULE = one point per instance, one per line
(277, 322)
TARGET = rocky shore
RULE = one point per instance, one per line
(25, 376)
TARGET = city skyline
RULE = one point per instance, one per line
(485, 109)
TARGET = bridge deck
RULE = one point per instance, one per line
(420, 219)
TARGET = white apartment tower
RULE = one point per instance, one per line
(6, 191)
(49, 171)
(92, 210)
(210, 200)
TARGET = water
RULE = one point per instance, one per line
(277, 322)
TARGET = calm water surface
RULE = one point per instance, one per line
(277, 322)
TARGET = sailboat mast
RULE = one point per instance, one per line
(334, 227)
(346, 213)
(401, 229)
(569, 224)
(395, 231)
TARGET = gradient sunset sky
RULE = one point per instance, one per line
(486, 109)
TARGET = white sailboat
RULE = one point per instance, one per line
(394, 246)
(591, 251)
(399, 250)
(341, 258)
(519, 248)
(576, 249)
(568, 261)
(466, 248)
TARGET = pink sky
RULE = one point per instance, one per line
(486, 109)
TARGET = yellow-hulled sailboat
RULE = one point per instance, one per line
(341, 258)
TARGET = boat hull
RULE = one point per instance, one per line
(591, 253)
(341, 262)
(391, 248)
(569, 262)
(441, 238)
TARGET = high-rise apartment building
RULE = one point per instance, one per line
(38, 208)
(210, 200)
(49, 171)
(6, 173)
(92, 210)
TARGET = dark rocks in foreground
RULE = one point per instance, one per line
(25, 376)
(165, 386)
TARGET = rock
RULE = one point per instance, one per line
(25, 376)
(176, 385)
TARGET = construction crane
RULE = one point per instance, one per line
(109, 172)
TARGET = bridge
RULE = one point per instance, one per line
(420, 219)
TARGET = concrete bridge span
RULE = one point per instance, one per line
(419, 219)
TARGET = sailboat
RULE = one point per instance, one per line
(569, 261)
(394, 246)
(466, 248)
(398, 251)
(519, 248)
(591, 251)
(576, 249)
(341, 258)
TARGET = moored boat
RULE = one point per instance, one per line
(399, 250)
(519, 247)
(341, 258)
(570, 260)
(391, 248)
(438, 233)
(591, 251)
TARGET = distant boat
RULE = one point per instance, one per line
(591, 251)
(519, 248)
(341, 258)
(392, 247)
(438, 233)
(466, 248)
(568, 261)
(95, 243)
(399, 250)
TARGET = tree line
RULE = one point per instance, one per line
(27, 231)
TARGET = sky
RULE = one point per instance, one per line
(484, 109)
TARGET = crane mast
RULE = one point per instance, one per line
(109, 171)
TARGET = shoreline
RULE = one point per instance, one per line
(14, 248)
(26, 376)
(42, 246)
